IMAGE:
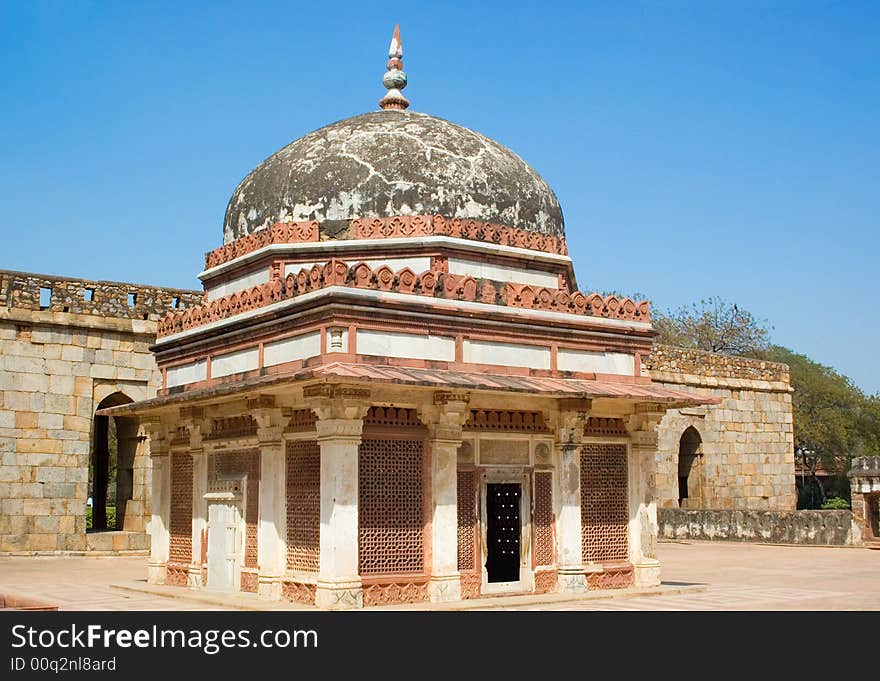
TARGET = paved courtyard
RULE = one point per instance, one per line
(731, 576)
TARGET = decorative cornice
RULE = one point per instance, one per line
(430, 283)
(402, 226)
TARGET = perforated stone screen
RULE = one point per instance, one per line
(303, 505)
(467, 519)
(180, 522)
(543, 518)
(604, 512)
(390, 518)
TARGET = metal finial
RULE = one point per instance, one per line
(394, 79)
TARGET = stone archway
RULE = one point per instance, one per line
(690, 469)
(111, 469)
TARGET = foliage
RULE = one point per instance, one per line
(834, 421)
(111, 517)
(714, 325)
(835, 503)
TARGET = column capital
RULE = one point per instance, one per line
(446, 416)
(642, 425)
(270, 419)
(157, 429)
(193, 420)
(572, 421)
(337, 402)
(339, 429)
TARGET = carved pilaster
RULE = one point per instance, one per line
(642, 465)
(445, 418)
(340, 411)
(571, 421)
(157, 432)
(271, 545)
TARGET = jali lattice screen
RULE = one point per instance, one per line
(390, 520)
(543, 518)
(467, 519)
(604, 512)
(303, 505)
(180, 522)
(244, 461)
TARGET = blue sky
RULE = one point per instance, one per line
(697, 148)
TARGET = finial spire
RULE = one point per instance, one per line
(395, 79)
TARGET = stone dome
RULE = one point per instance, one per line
(392, 163)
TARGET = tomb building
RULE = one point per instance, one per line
(394, 391)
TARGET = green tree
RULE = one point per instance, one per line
(833, 420)
(713, 325)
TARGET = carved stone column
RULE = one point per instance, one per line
(444, 420)
(193, 419)
(642, 468)
(340, 411)
(271, 545)
(569, 441)
(160, 538)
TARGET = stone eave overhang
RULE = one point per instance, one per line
(469, 311)
(427, 379)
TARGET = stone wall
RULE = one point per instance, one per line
(818, 528)
(745, 459)
(864, 480)
(58, 361)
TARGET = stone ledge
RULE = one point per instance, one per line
(698, 381)
(139, 327)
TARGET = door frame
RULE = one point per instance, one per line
(230, 490)
(510, 475)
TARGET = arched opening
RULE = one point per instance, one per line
(690, 460)
(111, 466)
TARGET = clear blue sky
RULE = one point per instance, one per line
(698, 148)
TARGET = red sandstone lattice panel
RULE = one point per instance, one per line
(180, 522)
(604, 511)
(467, 520)
(544, 520)
(243, 461)
(303, 505)
(390, 518)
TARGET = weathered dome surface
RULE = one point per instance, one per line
(390, 163)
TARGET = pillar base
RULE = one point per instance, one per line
(445, 588)
(339, 595)
(194, 577)
(646, 573)
(156, 573)
(269, 587)
(571, 580)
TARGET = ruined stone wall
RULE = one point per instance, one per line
(818, 528)
(57, 363)
(746, 459)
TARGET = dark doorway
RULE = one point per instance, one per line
(112, 466)
(503, 529)
(690, 480)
